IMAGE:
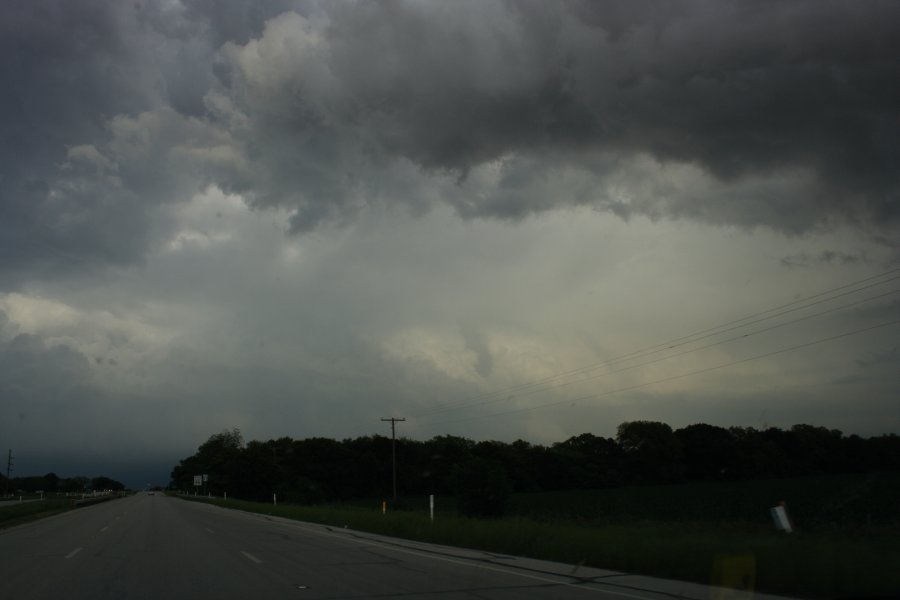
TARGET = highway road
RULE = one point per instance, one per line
(163, 548)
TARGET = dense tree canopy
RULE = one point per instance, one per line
(643, 452)
(52, 483)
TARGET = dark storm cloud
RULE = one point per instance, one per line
(238, 21)
(877, 358)
(790, 108)
(41, 383)
(61, 73)
(67, 67)
(57, 416)
(73, 74)
(476, 343)
(825, 257)
(777, 114)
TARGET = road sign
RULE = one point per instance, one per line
(198, 480)
(205, 478)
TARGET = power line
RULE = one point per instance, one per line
(672, 343)
(546, 387)
(672, 377)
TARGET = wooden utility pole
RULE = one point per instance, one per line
(9, 463)
(393, 421)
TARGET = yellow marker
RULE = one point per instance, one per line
(733, 577)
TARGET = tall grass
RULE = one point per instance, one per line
(823, 503)
(808, 564)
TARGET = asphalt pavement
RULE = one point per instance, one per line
(160, 547)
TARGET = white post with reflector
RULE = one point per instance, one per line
(780, 516)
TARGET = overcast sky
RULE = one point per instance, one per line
(296, 218)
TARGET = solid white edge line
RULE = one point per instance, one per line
(468, 563)
(508, 571)
(313, 528)
(73, 552)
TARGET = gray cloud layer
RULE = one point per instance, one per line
(297, 217)
(772, 114)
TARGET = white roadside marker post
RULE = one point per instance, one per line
(780, 516)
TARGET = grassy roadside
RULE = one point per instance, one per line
(820, 564)
(17, 514)
(816, 503)
(10, 516)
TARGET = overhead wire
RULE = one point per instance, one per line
(669, 356)
(599, 395)
(786, 308)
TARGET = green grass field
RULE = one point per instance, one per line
(845, 545)
(14, 513)
(30, 511)
(821, 504)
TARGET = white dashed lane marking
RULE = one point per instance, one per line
(73, 553)
(251, 557)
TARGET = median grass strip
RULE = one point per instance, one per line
(17, 514)
(803, 564)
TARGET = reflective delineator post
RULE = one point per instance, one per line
(274, 499)
(780, 516)
(431, 505)
(384, 507)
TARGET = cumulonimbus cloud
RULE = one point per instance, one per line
(755, 115)
(771, 114)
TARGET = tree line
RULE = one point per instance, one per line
(51, 483)
(319, 469)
